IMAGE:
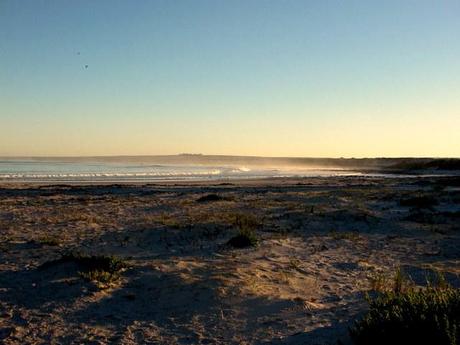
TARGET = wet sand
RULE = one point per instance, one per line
(321, 242)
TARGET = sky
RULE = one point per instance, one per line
(243, 77)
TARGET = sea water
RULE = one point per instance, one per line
(24, 170)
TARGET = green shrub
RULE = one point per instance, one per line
(345, 235)
(103, 277)
(244, 238)
(414, 316)
(210, 198)
(49, 241)
(246, 221)
(246, 225)
(377, 281)
(98, 268)
(419, 201)
(105, 263)
(399, 283)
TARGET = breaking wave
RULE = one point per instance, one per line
(17, 170)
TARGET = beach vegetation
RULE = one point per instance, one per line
(377, 281)
(246, 224)
(419, 201)
(294, 264)
(100, 277)
(245, 238)
(345, 235)
(101, 269)
(49, 241)
(169, 221)
(246, 221)
(406, 314)
(210, 198)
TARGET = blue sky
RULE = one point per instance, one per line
(273, 78)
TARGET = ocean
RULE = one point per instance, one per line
(78, 170)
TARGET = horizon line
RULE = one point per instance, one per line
(223, 155)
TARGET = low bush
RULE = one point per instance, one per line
(420, 201)
(345, 235)
(102, 277)
(110, 264)
(49, 241)
(210, 198)
(98, 268)
(409, 315)
(246, 224)
(244, 238)
(246, 221)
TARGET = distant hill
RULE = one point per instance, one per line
(428, 164)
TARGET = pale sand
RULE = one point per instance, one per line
(320, 241)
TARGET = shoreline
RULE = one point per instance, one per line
(368, 175)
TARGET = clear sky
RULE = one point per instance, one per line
(273, 78)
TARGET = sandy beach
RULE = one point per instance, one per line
(322, 243)
(229, 172)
